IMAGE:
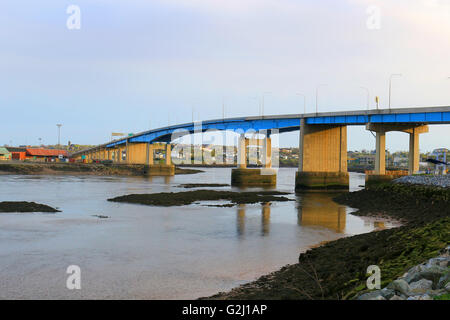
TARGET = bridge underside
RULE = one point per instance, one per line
(323, 140)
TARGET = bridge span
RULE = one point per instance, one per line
(323, 143)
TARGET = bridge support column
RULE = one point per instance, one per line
(414, 153)
(267, 153)
(241, 152)
(323, 158)
(127, 153)
(379, 175)
(168, 154)
(380, 158)
(159, 169)
(243, 176)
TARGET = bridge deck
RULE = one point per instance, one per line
(288, 123)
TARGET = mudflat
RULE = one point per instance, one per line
(166, 199)
(24, 206)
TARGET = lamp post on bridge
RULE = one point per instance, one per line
(317, 95)
(262, 106)
(368, 96)
(223, 108)
(304, 101)
(390, 86)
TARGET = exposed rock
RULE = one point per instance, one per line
(444, 280)
(400, 285)
(422, 282)
(438, 181)
(420, 297)
(433, 273)
(378, 298)
(439, 261)
(373, 295)
(445, 252)
(387, 293)
(421, 286)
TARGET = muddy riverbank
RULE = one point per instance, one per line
(81, 169)
(185, 198)
(337, 270)
(24, 206)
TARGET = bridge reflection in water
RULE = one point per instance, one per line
(318, 209)
(313, 210)
(265, 219)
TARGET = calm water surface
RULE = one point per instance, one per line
(143, 252)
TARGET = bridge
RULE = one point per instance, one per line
(323, 143)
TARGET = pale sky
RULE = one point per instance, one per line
(138, 64)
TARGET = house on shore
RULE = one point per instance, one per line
(5, 154)
(37, 154)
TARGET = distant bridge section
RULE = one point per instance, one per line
(291, 122)
(323, 142)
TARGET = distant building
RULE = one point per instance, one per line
(46, 154)
(36, 154)
(18, 153)
(5, 154)
(366, 159)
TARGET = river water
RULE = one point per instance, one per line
(143, 252)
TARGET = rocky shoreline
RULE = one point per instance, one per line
(427, 281)
(428, 180)
(338, 269)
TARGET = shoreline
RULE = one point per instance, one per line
(77, 169)
(337, 270)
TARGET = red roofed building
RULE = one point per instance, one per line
(45, 154)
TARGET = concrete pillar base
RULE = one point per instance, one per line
(159, 170)
(253, 177)
(373, 180)
(321, 181)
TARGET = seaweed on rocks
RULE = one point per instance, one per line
(166, 199)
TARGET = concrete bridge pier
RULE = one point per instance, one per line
(379, 175)
(137, 153)
(159, 169)
(322, 158)
(243, 176)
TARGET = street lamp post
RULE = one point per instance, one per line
(304, 101)
(390, 86)
(317, 95)
(223, 108)
(262, 107)
(59, 133)
(368, 96)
